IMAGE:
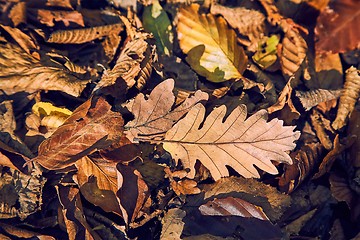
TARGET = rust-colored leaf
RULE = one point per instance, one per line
(49, 18)
(235, 142)
(154, 115)
(83, 35)
(231, 206)
(337, 27)
(97, 178)
(91, 126)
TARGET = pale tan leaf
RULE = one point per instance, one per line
(154, 115)
(312, 98)
(236, 143)
(83, 35)
(248, 22)
(348, 98)
(21, 72)
(211, 46)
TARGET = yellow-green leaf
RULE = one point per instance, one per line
(211, 45)
(266, 53)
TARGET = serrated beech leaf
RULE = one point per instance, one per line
(91, 126)
(234, 142)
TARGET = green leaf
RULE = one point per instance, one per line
(156, 21)
(266, 53)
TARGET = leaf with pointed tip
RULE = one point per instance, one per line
(234, 142)
(211, 45)
(91, 126)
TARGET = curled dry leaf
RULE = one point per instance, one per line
(248, 22)
(312, 98)
(235, 142)
(209, 52)
(306, 160)
(321, 125)
(22, 72)
(182, 186)
(231, 206)
(133, 59)
(337, 26)
(91, 126)
(83, 35)
(293, 51)
(154, 116)
(348, 98)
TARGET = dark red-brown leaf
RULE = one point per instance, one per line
(91, 126)
(338, 27)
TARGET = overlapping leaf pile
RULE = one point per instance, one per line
(161, 122)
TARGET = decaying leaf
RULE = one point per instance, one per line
(329, 71)
(156, 21)
(134, 57)
(21, 195)
(17, 232)
(154, 115)
(348, 98)
(172, 224)
(83, 35)
(231, 206)
(235, 142)
(22, 72)
(248, 22)
(337, 27)
(354, 129)
(321, 125)
(50, 17)
(306, 160)
(182, 186)
(209, 52)
(91, 126)
(312, 98)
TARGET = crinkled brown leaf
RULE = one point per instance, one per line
(22, 72)
(337, 26)
(83, 35)
(348, 98)
(182, 186)
(354, 129)
(133, 59)
(235, 142)
(322, 128)
(211, 47)
(231, 206)
(312, 98)
(91, 126)
(50, 17)
(306, 160)
(97, 178)
(248, 22)
(154, 115)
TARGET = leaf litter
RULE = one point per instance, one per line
(123, 123)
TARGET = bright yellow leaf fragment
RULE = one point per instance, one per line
(211, 45)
